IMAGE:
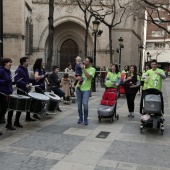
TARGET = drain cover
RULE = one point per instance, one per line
(103, 135)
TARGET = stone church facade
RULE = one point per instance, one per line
(26, 34)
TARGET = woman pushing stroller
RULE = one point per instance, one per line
(113, 77)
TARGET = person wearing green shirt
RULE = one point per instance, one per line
(144, 85)
(113, 77)
(126, 69)
(154, 76)
(88, 72)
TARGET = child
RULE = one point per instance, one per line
(78, 72)
(65, 86)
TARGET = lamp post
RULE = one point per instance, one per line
(148, 57)
(95, 32)
(1, 28)
(121, 46)
(140, 59)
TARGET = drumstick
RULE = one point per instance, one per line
(19, 80)
(35, 85)
(14, 75)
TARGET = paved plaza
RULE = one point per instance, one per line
(57, 142)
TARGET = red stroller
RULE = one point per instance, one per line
(108, 104)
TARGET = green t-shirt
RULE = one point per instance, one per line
(112, 78)
(124, 71)
(145, 84)
(86, 85)
(154, 80)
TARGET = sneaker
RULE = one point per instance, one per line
(29, 119)
(130, 114)
(133, 115)
(80, 121)
(58, 109)
(10, 127)
(35, 116)
(17, 124)
(86, 122)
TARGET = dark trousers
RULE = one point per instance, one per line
(131, 101)
(18, 114)
(3, 105)
(58, 91)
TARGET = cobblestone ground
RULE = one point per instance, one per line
(57, 142)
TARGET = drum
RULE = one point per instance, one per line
(54, 99)
(19, 102)
(38, 102)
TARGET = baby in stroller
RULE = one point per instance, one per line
(152, 110)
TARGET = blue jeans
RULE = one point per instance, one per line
(82, 99)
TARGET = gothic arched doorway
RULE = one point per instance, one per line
(68, 52)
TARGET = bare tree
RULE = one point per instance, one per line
(51, 35)
(84, 5)
(111, 14)
(157, 11)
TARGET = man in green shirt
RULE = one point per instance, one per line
(154, 76)
(84, 92)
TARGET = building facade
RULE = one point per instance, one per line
(158, 41)
(26, 34)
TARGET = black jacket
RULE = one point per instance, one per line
(54, 80)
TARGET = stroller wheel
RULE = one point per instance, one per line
(99, 118)
(141, 128)
(117, 117)
(162, 129)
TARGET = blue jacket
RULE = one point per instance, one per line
(78, 70)
(5, 75)
(22, 78)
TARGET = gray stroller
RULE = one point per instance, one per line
(152, 110)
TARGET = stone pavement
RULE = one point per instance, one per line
(57, 142)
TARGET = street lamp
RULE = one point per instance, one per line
(121, 46)
(148, 57)
(96, 32)
(140, 59)
(1, 28)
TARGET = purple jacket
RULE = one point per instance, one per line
(22, 78)
(41, 82)
(5, 75)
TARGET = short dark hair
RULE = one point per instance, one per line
(65, 75)
(6, 60)
(55, 67)
(68, 64)
(90, 59)
(154, 61)
(23, 59)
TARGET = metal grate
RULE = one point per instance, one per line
(103, 135)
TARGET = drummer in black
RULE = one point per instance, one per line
(5, 85)
(22, 80)
(55, 84)
(40, 78)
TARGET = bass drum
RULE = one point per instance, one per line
(54, 99)
(19, 102)
(38, 102)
